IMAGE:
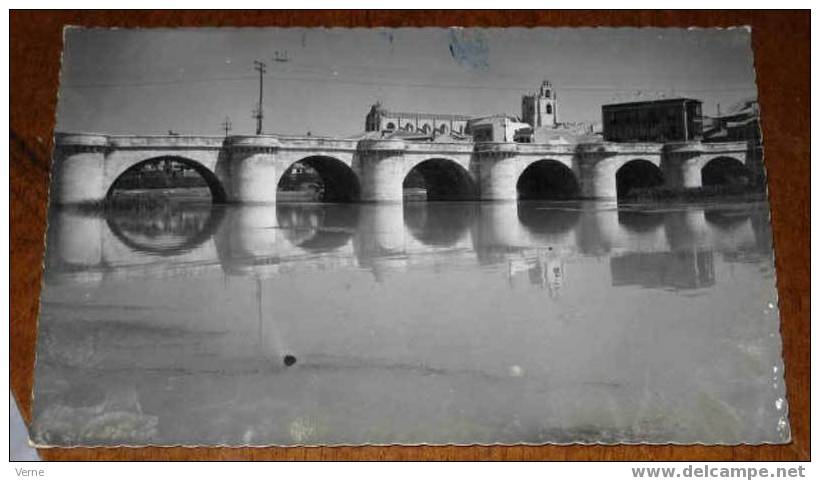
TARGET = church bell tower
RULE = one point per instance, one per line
(541, 108)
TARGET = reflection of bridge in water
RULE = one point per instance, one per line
(671, 247)
(281, 315)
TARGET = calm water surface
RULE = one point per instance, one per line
(425, 323)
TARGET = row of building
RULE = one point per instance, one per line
(663, 120)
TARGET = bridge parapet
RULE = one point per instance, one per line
(630, 148)
(705, 147)
(497, 148)
(546, 149)
(80, 142)
(725, 147)
(319, 143)
(253, 143)
(271, 144)
(683, 147)
(165, 142)
(200, 141)
(440, 147)
(382, 145)
(68, 138)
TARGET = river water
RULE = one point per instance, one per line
(192, 324)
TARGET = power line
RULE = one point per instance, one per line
(370, 71)
(158, 82)
(736, 88)
(510, 88)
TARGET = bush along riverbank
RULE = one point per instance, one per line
(695, 194)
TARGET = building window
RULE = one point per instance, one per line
(443, 128)
(426, 128)
(548, 93)
(409, 127)
(549, 109)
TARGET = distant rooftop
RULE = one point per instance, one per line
(674, 100)
(429, 115)
(426, 115)
(495, 116)
(744, 105)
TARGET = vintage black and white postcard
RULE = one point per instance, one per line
(408, 236)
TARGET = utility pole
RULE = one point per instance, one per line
(226, 125)
(258, 114)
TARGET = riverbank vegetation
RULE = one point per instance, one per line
(694, 194)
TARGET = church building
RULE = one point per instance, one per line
(538, 123)
(380, 119)
(540, 109)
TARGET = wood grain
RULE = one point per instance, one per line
(781, 42)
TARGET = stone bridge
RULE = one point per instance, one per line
(247, 169)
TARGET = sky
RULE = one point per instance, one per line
(150, 81)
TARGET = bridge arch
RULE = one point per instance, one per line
(547, 179)
(637, 174)
(339, 183)
(214, 184)
(725, 170)
(442, 179)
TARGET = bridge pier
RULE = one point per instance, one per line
(253, 170)
(381, 170)
(79, 168)
(498, 171)
(690, 174)
(681, 167)
(601, 183)
(597, 175)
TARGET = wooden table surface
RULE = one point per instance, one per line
(781, 42)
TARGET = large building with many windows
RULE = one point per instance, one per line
(379, 119)
(665, 120)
